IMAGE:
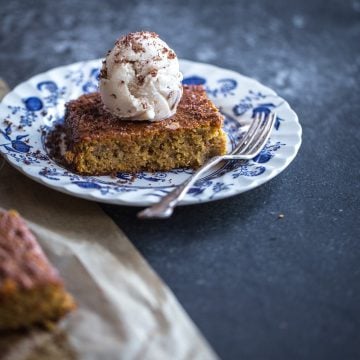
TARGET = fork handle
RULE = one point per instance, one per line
(165, 207)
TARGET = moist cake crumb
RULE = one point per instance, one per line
(99, 143)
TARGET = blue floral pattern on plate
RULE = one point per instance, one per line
(26, 117)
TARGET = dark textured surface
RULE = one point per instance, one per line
(257, 287)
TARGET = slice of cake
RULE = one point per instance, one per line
(100, 143)
(31, 291)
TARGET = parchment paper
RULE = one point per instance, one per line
(124, 310)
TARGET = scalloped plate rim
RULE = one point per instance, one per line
(114, 199)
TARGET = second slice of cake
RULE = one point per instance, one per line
(98, 143)
(31, 290)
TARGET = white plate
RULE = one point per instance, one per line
(33, 107)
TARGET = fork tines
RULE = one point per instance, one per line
(257, 135)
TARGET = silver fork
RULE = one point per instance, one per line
(249, 146)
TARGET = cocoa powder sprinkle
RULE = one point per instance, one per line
(153, 72)
(171, 55)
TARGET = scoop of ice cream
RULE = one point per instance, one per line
(140, 78)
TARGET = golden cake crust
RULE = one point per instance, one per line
(31, 290)
(21, 258)
(86, 117)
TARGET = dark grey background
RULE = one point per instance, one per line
(258, 287)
